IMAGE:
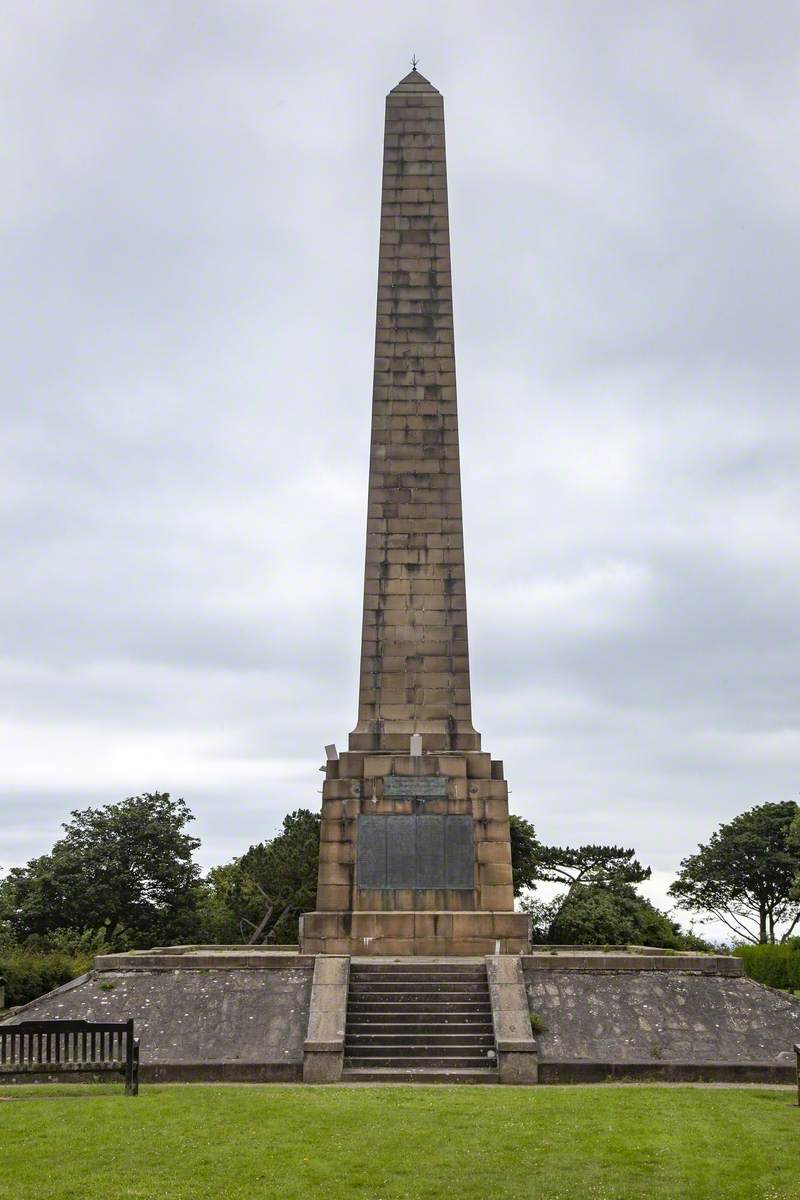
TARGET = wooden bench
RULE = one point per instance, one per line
(64, 1047)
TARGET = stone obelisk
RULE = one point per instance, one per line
(415, 853)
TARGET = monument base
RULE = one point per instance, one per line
(435, 934)
(255, 1015)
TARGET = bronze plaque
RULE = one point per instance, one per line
(415, 786)
(418, 851)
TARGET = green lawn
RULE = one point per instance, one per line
(398, 1143)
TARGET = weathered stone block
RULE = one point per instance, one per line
(474, 924)
(322, 1067)
(333, 831)
(518, 1068)
(377, 765)
(351, 765)
(335, 873)
(491, 852)
(424, 925)
(496, 810)
(333, 896)
(496, 831)
(512, 924)
(492, 874)
(497, 898)
(393, 946)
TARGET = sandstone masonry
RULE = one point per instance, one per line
(415, 855)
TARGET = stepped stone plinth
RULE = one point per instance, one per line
(415, 858)
(415, 855)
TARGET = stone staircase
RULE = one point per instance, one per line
(420, 1022)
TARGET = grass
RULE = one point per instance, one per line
(397, 1143)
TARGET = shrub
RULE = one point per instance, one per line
(30, 973)
(777, 966)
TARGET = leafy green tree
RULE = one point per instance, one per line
(794, 848)
(230, 906)
(126, 867)
(610, 914)
(599, 906)
(533, 862)
(585, 866)
(260, 896)
(745, 876)
(525, 850)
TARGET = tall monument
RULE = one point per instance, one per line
(415, 854)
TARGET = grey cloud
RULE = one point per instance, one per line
(190, 228)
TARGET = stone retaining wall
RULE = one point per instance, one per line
(206, 1023)
(675, 1022)
(604, 1015)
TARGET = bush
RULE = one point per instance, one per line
(776, 966)
(30, 973)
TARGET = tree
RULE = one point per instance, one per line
(794, 847)
(531, 861)
(613, 914)
(260, 896)
(525, 849)
(589, 865)
(126, 867)
(600, 906)
(230, 906)
(745, 875)
(582, 867)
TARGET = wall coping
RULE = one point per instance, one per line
(257, 959)
(599, 960)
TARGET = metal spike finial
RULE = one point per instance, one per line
(413, 62)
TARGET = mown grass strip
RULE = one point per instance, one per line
(473, 1143)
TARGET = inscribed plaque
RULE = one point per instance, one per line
(416, 851)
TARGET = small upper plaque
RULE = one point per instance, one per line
(415, 786)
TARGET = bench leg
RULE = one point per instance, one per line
(132, 1075)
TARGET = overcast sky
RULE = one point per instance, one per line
(188, 230)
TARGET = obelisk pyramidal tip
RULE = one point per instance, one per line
(414, 658)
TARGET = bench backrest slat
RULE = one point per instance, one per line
(65, 1026)
(66, 1041)
(106, 1045)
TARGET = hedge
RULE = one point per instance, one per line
(777, 966)
(31, 973)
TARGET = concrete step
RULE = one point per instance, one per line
(403, 1075)
(437, 1007)
(420, 988)
(376, 965)
(423, 987)
(428, 1036)
(418, 976)
(412, 1025)
(419, 1049)
(403, 1017)
(445, 995)
(461, 1028)
(392, 1003)
(430, 970)
(415, 1062)
(437, 1003)
(408, 989)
